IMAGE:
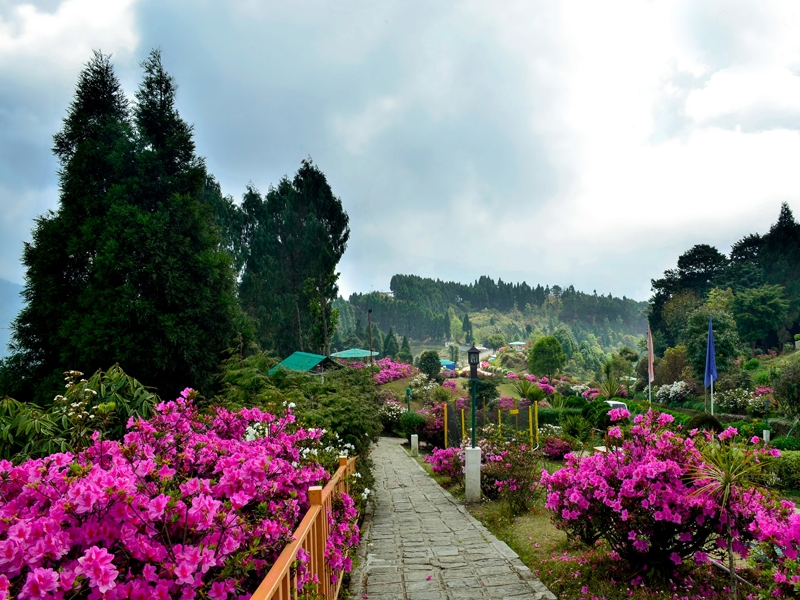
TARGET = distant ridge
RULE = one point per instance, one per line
(10, 304)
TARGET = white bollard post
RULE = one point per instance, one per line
(766, 435)
(472, 487)
(414, 444)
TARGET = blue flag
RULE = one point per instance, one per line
(711, 361)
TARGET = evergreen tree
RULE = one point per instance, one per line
(95, 152)
(377, 340)
(294, 237)
(405, 352)
(466, 327)
(390, 347)
(156, 291)
(779, 258)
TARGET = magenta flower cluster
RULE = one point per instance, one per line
(513, 376)
(450, 385)
(392, 371)
(591, 394)
(186, 505)
(643, 501)
(446, 461)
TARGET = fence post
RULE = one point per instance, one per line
(530, 424)
(317, 562)
(463, 429)
(499, 421)
(445, 424)
(536, 421)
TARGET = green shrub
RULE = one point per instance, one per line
(752, 364)
(748, 429)
(681, 418)
(703, 421)
(596, 412)
(412, 422)
(787, 468)
(786, 443)
(551, 416)
(761, 378)
(575, 402)
(575, 427)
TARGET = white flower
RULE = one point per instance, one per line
(292, 405)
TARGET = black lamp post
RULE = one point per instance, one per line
(473, 356)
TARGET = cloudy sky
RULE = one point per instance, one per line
(586, 143)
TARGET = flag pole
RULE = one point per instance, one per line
(712, 397)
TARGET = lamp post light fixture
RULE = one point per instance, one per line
(472, 488)
(474, 357)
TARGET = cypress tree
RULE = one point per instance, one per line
(145, 281)
(404, 355)
(377, 340)
(95, 152)
(390, 347)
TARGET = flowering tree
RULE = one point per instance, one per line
(186, 505)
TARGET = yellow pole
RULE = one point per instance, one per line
(463, 429)
(530, 424)
(536, 420)
(445, 424)
(499, 421)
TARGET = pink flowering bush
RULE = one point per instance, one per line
(433, 430)
(643, 499)
(513, 468)
(392, 371)
(446, 461)
(185, 505)
(591, 394)
(556, 448)
(512, 376)
(450, 385)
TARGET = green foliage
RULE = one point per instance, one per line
(546, 356)
(551, 416)
(130, 268)
(430, 364)
(575, 427)
(412, 422)
(752, 364)
(786, 443)
(496, 340)
(102, 404)
(787, 469)
(345, 402)
(726, 340)
(596, 413)
(295, 236)
(575, 402)
(404, 355)
(390, 347)
(759, 312)
(453, 351)
(787, 387)
(703, 421)
(485, 389)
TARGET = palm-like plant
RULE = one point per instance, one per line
(610, 387)
(727, 470)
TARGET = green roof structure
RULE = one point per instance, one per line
(303, 361)
(353, 353)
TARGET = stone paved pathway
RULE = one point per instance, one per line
(421, 544)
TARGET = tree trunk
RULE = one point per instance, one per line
(299, 323)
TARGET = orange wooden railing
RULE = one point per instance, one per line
(311, 535)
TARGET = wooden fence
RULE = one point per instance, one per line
(311, 535)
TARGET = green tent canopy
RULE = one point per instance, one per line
(353, 353)
(304, 361)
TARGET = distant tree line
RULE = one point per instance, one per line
(752, 293)
(419, 306)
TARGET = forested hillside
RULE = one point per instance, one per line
(588, 325)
